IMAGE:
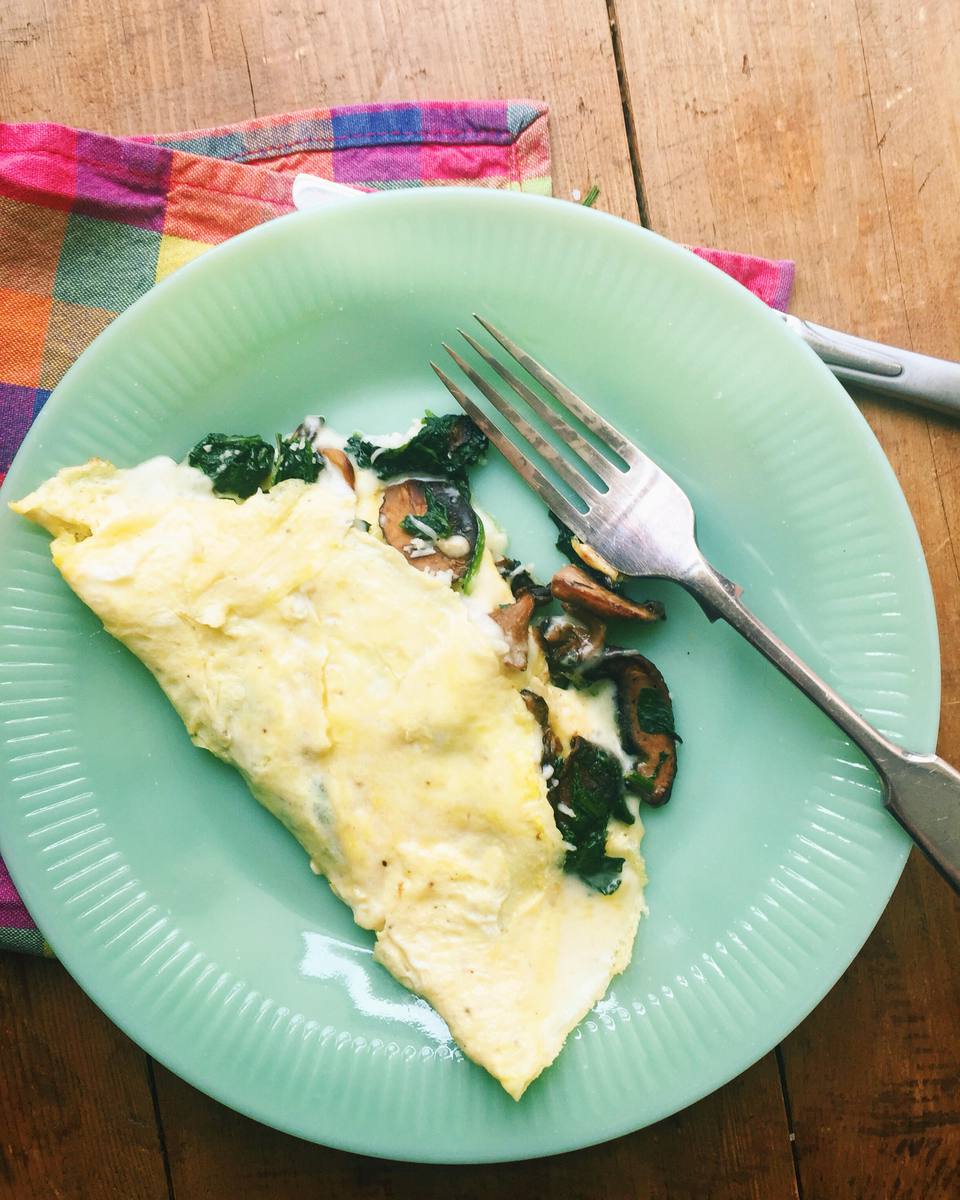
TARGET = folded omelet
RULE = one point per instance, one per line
(368, 707)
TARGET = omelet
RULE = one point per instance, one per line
(368, 707)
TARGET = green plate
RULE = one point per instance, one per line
(191, 917)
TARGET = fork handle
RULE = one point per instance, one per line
(920, 790)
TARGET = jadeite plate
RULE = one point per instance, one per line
(191, 917)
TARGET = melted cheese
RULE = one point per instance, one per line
(367, 706)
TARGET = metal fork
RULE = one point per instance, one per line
(643, 523)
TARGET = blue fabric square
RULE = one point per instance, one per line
(380, 126)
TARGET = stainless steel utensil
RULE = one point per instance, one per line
(642, 522)
(888, 370)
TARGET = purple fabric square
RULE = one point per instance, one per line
(486, 121)
(13, 914)
(17, 408)
(383, 164)
(119, 180)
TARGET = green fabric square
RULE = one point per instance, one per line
(105, 264)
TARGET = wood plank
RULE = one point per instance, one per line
(910, 55)
(176, 64)
(456, 49)
(906, 987)
(76, 1110)
(841, 150)
(874, 1074)
(709, 1150)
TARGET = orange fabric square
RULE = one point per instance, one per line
(314, 162)
(30, 241)
(23, 327)
(209, 201)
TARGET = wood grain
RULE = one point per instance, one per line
(76, 1112)
(838, 145)
(757, 127)
(719, 1148)
(874, 1075)
(906, 986)
(176, 64)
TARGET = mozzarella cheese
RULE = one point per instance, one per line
(367, 707)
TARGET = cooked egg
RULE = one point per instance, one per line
(367, 706)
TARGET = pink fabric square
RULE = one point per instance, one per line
(38, 164)
(463, 163)
(770, 279)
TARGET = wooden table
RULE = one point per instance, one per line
(822, 130)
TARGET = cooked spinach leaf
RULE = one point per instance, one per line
(655, 713)
(639, 785)
(297, 459)
(237, 465)
(467, 581)
(599, 870)
(588, 793)
(437, 517)
(522, 582)
(648, 787)
(444, 446)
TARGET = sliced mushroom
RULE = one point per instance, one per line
(595, 561)
(580, 553)
(552, 750)
(514, 620)
(337, 458)
(522, 582)
(410, 499)
(645, 714)
(576, 590)
(570, 646)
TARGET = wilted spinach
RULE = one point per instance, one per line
(655, 713)
(436, 518)
(445, 445)
(589, 792)
(297, 459)
(236, 465)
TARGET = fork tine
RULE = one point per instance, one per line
(592, 457)
(574, 479)
(593, 421)
(559, 505)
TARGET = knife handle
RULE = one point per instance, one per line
(915, 378)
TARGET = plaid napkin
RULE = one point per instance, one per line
(89, 223)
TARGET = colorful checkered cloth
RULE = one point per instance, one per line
(89, 223)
